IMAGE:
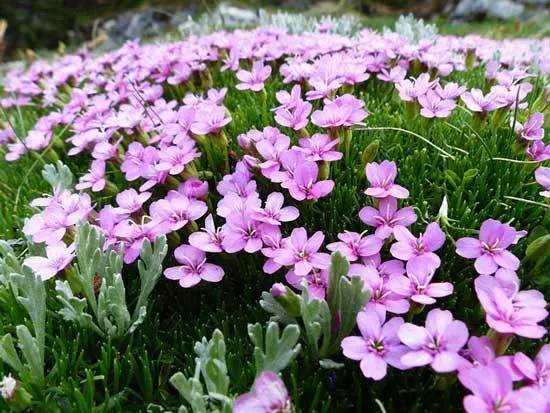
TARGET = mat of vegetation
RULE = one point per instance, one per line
(258, 221)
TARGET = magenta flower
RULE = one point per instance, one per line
(242, 232)
(409, 90)
(134, 235)
(274, 213)
(345, 110)
(421, 249)
(451, 90)
(295, 117)
(253, 80)
(418, 285)
(542, 176)
(271, 152)
(130, 201)
(433, 106)
(173, 159)
(289, 100)
(387, 216)
(314, 283)
(94, 179)
(273, 241)
(210, 121)
(194, 188)
(58, 256)
(381, 178)
(377, 346)
(304, 185)
(436, 344)
(477, 102)
(354, 246)
(490, 249)
(302, 253)
(535, 372)
(509, 311)
(176, 210)
(538, 151)
(210, 239)
(533, 129)
(382, 298)
(481, 352)
(194, 267)
(320, 147)
(268, 395)
(492, 389)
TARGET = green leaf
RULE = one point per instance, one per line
(191, 390)
(330, 364)
(59, 176)
(74, 308)
(30, 349)
(539, 248)
(150, 269)
(212, 363)
(8, 354)
(275, 353)
(278, 309)
(469, 175)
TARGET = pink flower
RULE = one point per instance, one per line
(433, 106)
(381, 178)
(382, 298)
(538, 151)
(194, 188)
(377, 346)
(437, 344)
(410, 90)
(354, 246)
(508, 310)
(450, 91)
(536, 372)
(320, 147)
(271, 152)
(304, 185)
(95, 179)
(173, 159)
(253, 80)
(268, 394)
(58, 256)
(176, 210)
(210, 239)
(289, 100)
(242, 232)
(210, 120)
(345, 110)
(387, 216)
(542, 176)
(413, 249)
(302, 253)
(481, 352)
(533, 129)
(194, 267)
(130, 201)
(133, 236)
(295, 117)
(490, 250)
(274, 213)
(418, 285)
(476, 102)
(492, 389)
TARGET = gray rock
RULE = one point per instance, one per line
(470, 9)
(505, 10)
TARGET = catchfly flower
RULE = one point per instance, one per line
(381, 178)
(193, 268)
(437, 344)
(268, 394)
(377, 346)
(490, 250)
(58, 257)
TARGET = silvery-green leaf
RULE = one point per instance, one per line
(150, 269)
(191, 390)
(59, 176)
(330, 364)
(141, 316)
(29, 347)
(74, 308)
(211, 356)
(274, 353)
(8, 354)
